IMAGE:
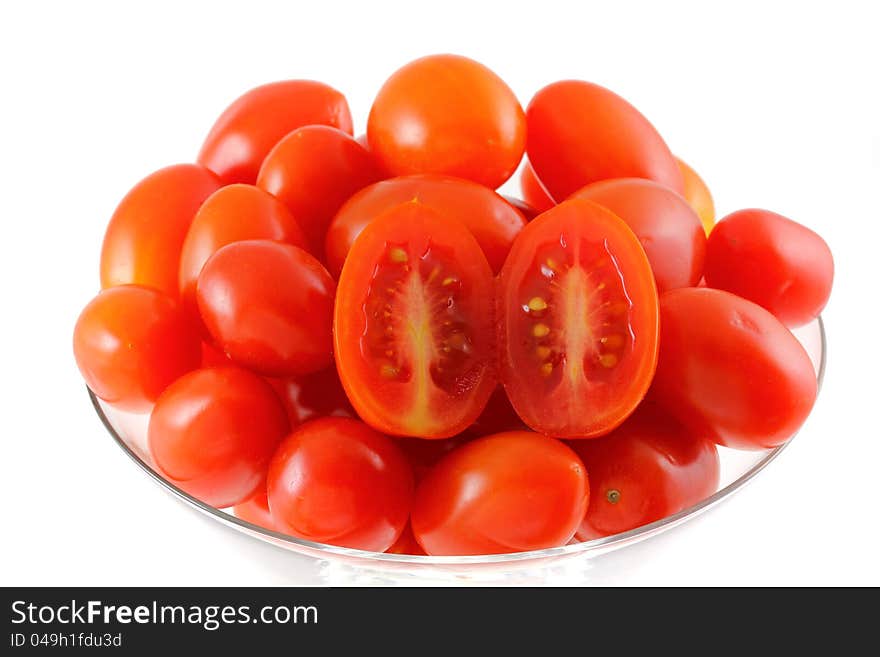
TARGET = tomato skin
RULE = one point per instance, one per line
(492, 221)
(533, 191)
(144, 238)
(508, 492)
(337, 481)
(668, 228)
(419, 124)
(256, 511)
(648, 468)
(315, 395)
(249, 128)
(313, 171)
(131, 342)
(268, 306)
(730, 371)
(579, 133)
(771, 260)
(213, 431)
(697, 193)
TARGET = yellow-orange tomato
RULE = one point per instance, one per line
(697, 194)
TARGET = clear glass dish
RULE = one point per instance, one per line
(737, 469)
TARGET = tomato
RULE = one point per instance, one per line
(143, 241)
(773, 261)
(449, 115)
(526, 210)
(406, 544)
(268, 306)
(249, 128)
(580, 132)
(731, 371)
(648, 468)
(314, 395)
(533, 190)
(668, 228)
(413, 324)
(698, 195)
(256, 511)
(131, 342)
(492, 221)
(338, 481)
(508, 492)
(213, 357)
(423, 455)
(213, 431)
(577, 321)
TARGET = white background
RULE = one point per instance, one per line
(776, 105)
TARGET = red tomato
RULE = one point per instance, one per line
(406, 544)
(424, 454)
(130, 343)
(577, 321)
(311, 396)
(256, 511)
(731, 371)
(648, 468)
(773, 261)
(337, 481)
(533, 190)
(413, 324)
(213, 357)
(249, 128)
(268, 306)
(697, 194)
(449, 115)
(580, 132)
(313, 171)
(509, 492)
(492, 221)
(213, 431)
(143, 241)
(526, 210)
(668, 228)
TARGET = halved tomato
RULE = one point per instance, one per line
(578, 321)
(413, 324)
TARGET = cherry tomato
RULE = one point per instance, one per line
(249, 128)
(449, 115)
(213, 357)
(338, 481)
(143, 241)
(508, 492)
(697, 194)
(413, 324)
(256, 511)
(130, 343)
(526, 210)
(577, 321)
(533, 190)
(213, 431)
(648, 468)
(268, 306)
(668, 228)
(311, 396)
(424, 454)
(580, 133)
(773, 261)
(729, 370)
(313, 171)
(406, 544)
(492, 221)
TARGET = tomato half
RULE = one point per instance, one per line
(250, 127)
(508, 492)
(697, 193)
(413, 324)
(492, 221)
(533, 190)
(577, 321)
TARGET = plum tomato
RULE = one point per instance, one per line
(337, 481)
(508, 492)
(131, 342)
(577, 317)
(413, 324)
(268, 306)
(213, 431)
(668, 228)
(315, 395)
(449, 115)
(313, 171)
(406, 544)
(144, 238)
(256, 511)
(250, 127)
(771, 260)
(729, 370)
(648, 468)
(533, 190)
(579, 132)
(492, 221)
(697, 193)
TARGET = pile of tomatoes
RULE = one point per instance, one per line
(360, 342)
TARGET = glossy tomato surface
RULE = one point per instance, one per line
(533, 190)
(250, 127)
(337, 481)
(577, 316)
(697, 193)
(413, 324)
(508, 492)
(449, 115)
(256, 511)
